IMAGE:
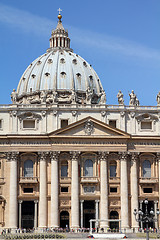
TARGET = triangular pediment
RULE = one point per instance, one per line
(90, 127)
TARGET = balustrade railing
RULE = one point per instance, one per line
(28, 179)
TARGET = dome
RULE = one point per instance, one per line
(59, 76)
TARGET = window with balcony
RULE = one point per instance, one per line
(28, 168)
(88, 168)
(146, 167)
(64, 169)
(113, 169)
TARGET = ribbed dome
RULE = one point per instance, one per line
(59, 76)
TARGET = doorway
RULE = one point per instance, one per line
(149, 206)
(89, 213)
(114, 225)
(64, 219)
(28, 214)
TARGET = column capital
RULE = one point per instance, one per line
(103, 156)
(42, 155)
(35, 201)
(134, 157)
(12, 156)
(54, 155)
(97, 201)
(155, 201)
(123, 156)
(81, 201)
(74, 155)
(20, 201)
(158, 156)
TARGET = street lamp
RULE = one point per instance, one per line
(146, 216)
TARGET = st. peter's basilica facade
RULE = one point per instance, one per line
(65, 156)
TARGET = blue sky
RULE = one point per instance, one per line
(120, 38)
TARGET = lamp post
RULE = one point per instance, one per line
(146, 216)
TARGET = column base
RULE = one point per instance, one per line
(75, 229)
(126, 230)
(13, 230)
(41, 229)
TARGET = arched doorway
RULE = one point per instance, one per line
(64, 219)
(114, 225)
(28, 214)
(89, 212)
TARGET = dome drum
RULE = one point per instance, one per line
(61, 97)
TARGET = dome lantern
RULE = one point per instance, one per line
(59, 37)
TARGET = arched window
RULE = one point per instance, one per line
(146, 169)
(28, 168)
(113, 168)
(64, 169)
(88, 168)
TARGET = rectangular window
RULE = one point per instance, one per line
(64, 189)
(113, 189)
(28, 123)
(147, 190)
(146, 125)
(112, 123)
(64, 123)
(28, 190)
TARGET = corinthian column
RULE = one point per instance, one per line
(124, 192)
(134, 189)
(54, 189)
(43, 191)
(104, 190)
(75, 191)
(13, 204)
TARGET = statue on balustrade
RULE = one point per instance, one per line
(120, 98)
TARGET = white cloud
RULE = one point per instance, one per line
(25, 21)
(42, 26)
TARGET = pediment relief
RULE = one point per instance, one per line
(29, 115)
(146, 117)
(90, 127)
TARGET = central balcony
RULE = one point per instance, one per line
(89, 180)
(28, 180)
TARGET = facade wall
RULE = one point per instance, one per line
(125, 148)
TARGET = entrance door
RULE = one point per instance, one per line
(149, 206)
(28, 214)
(89, 213)
(114, 225)
(64, 219)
